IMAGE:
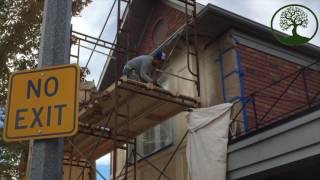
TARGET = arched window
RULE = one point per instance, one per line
(160, 31)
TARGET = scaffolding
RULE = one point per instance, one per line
(109, 120)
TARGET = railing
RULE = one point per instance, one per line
(278, 102)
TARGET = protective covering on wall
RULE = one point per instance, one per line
(207, 142)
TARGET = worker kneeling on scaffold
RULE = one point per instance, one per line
(141, 67)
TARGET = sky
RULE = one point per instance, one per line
(103, 166)
(93, 17)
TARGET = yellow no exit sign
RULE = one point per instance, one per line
(43, 103)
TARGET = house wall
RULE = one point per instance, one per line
(211, 94)
(259, 70)
(173, 19)
(212, 55)
(262, 69)
(219, 58)
(177, 168)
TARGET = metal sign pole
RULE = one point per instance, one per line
(47, 155)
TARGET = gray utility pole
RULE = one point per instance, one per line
(47, 155)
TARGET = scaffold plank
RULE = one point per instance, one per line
(148, 106)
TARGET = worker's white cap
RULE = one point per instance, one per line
(160, 55)
(163, 56)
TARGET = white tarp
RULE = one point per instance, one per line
(207, 142)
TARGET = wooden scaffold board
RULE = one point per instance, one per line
(140, 107)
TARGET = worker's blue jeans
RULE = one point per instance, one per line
(131, 73)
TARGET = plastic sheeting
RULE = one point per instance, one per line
(207, 142)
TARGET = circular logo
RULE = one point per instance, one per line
(298, 24)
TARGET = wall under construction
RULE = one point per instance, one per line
(211, 93)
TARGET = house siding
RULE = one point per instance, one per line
(262, 69)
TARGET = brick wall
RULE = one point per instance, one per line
(261, 70)
(173, 18)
